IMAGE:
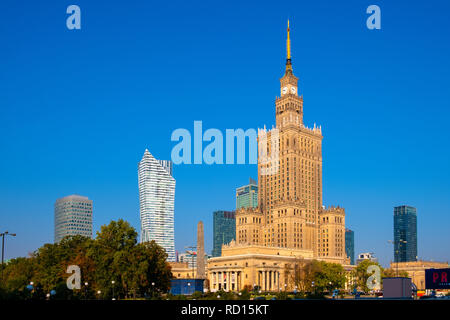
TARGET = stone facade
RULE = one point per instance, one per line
(416, 270)
(181, 270)
(290, 212)
(248, 266)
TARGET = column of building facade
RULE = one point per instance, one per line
(277, 286)
(265, 280)
(224, 280)
(240, 280)
(260, 278)
(272, 282)
(217, 280)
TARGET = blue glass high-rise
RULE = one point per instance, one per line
(405, 234)
(350, 245)
(224, 230)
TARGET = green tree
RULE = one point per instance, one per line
(52, 261)
(110, 253)
(316, 276)
(361, 275)
(329, 276)
(136, 269)
(301, 273)
(115, 255)
(18, 273)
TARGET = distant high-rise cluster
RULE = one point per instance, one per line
(224, 230)
(73, 216)
(157, 198)
(405, 234)
(190, 257)
(247, 196)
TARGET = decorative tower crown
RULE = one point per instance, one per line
(288, 52)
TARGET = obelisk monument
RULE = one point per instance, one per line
(200, 251)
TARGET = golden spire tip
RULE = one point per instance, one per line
(288, 43)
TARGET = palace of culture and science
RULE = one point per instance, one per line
(290, 224)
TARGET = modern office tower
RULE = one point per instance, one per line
(73, 216)
(405, 234)
(156, 198)
(247, 196)
(224, 230)
(350, 245)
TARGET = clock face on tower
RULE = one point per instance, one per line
(285, 90)
(293, 90)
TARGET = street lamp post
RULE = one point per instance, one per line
(85, 290)
(400, 243)
(112, 282)
(396, 251)
(192, 253)
(6, 233)
(31, 288)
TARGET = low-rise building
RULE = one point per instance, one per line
(366, 256)
(249, 266)
(416, 270)
(181, 270)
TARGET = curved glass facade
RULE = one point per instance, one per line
(157, 198)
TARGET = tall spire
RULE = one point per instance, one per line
(288, 51)
(288, 44)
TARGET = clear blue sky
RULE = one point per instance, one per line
(78, 108)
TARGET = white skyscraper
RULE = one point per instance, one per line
(157, 198)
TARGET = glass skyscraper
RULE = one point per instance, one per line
(405, 234)
(350, 245)
(73, 216)
(247, 196)
(157, 198)
(224, 230)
